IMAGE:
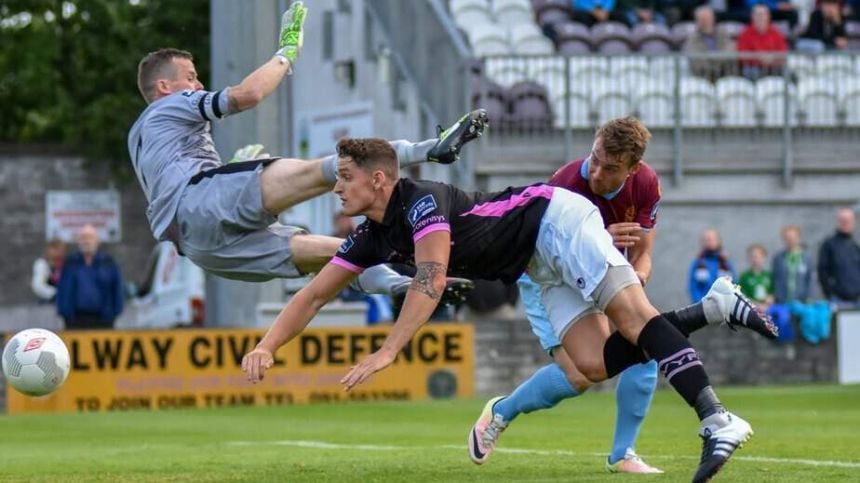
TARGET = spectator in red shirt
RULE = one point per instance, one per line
(761, 36)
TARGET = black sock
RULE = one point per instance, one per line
(687, 320)
(619, 354)
(676, 359)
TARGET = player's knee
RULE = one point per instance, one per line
(592, 371)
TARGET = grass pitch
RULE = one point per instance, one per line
(803, 434)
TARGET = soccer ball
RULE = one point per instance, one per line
(36, 362)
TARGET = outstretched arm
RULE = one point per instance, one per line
(295, 317)
(265, 79)
(431, 258)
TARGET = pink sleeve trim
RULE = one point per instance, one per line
(430, 229)
(345, 264)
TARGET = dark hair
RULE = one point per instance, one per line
(370, 154)
(156, 65)
(624, 138)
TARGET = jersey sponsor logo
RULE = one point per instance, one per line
(580, 282)
(429, 221)
(421, 208)
(346, 245)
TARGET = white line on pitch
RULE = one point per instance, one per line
(378, 447)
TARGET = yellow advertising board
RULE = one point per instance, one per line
(124, 370)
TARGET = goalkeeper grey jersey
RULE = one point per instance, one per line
(171, 142)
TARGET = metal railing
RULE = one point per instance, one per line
(766, 101)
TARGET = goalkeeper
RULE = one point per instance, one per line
(223, 216)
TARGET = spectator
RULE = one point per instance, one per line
(826, 29)
(590, 12)
(761, 36)
(839, 263)
(757, 282)
(678, 10)
(640, 11)
(792, 280)
(710, 264)
(778, 9)
(90, 293)
(47, 269)
(792, 269)
(708, 39)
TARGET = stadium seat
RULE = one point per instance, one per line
(580, 110)
(801, 65)
(848, 95)
(663, 67)
(655, 104)
(467, 13)
(568, 31)
(614, 46)
(655, 46)
(513, 12)
(506, 71)
(611, 99)
(551, 12)
(601, 32)
(528, 39)
(574, 47)
(548, 71)
(530, 106)
(489, 39)
(770, 93)
(852, 29)
(495, 99)
(737, 101)
(629, 67)
(834, 65)
(698, 102)
(651, 32)
(587, 72)
(818, 101)
(731, 28)
(681, 31)
(784, 28)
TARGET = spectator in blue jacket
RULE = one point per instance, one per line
(90, 292)
(591, 12)
(839, 263)
(710, 264)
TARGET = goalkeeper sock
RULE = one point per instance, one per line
(409, 153)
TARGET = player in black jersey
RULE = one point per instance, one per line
(555, 234)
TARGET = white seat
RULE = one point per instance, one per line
(818, 101)
(851, 108)
(834, 66)
(629, 67)
(513, 12)
(737, 101)
(663, 67)
(506, 71)
(467, 13)
(590, 70)
(655, 103)
(489, 39)
(770, 94)
(529, 39)
(802, 65)
(580, 111)
(847, 86)
(698, 103)
(611, 99)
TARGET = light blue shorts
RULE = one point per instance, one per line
(536, 313)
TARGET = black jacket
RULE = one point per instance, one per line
(839, 267)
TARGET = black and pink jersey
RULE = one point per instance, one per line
(492, 234)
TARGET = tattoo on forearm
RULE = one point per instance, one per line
(423, 280)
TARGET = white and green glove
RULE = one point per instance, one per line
(292, 32)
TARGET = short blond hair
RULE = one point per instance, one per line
(624, 138)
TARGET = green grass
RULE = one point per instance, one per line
(426, 442)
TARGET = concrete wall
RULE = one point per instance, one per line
(26, 175)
